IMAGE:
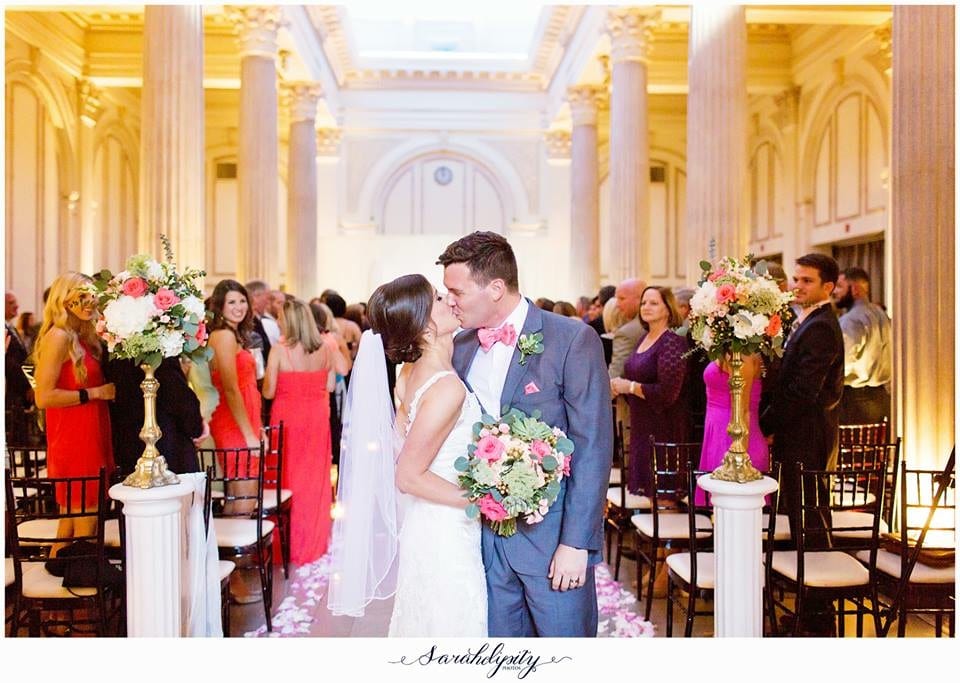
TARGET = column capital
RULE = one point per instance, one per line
(256, 29)
(631, 32)
(883, 57)
(302, 97)
(788, 107)
(585, 102)
(559, 142)
(88, 97)
(328, 142)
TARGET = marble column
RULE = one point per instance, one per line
(716, 134)
(172, 134)
(584, 189)
(258, 154)
(629, 29)
(922, 232)
(302, 191)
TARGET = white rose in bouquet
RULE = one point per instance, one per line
(129, 315)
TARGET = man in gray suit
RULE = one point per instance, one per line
(627, 336)
(540, 581)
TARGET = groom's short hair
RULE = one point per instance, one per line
(488, 255)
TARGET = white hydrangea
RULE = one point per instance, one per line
(193, 305)
(171, 343)
(704, 300)
(127, 315)
(155, 270)
(746, 324)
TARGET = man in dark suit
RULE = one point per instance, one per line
(178, 415)
(803, 415)
(18, 395)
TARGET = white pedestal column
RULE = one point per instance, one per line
(738, 543)
(154, 557)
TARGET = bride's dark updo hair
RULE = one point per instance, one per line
(399, 311)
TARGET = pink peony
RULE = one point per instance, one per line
(726, 293)
(541, 449)
(713, 277)
(164, 299)
(773, 327)
(202, 331)
(489, 448)
(491, 509)
(135, 287)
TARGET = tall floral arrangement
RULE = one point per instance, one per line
(739, 308)
(151, 311)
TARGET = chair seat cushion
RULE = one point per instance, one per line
(8, 576)
(633, 501)
(615, 475)
(39, 583)
(38, 528)
(111, 533)
(672, 525)
(270, 497)
(782, 532)
(680, 564)
(226, 568)
(826, 569)
(845, 519)
(238, 533)
(889, 563)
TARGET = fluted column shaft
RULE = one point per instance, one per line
(302, 192)
(258, 153)
(172, 133)
(629, 30)
(923, 232)
(584, 190)
(716, 133)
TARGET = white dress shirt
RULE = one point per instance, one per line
(271, 327)
(489, 369)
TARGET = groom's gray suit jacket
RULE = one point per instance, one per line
(574, 395)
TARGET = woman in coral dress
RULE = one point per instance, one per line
(715, 438)
(236, 421)
(72, 391)
(296, 380)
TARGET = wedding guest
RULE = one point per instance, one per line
(697, 362)
(583, 305)
(17, 392)
(72, 390)
(296, 380)
(868, 351)
(177, 411)
(627, 335)
(349, 329)
(565, 308)
(653, 383)
(544, 303)
(595, 318)
(354, 313)
(264, 324)
(28, 328)
(331, 336)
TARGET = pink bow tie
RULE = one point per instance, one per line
(505, 334)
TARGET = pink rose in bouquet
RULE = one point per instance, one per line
(489, 448)
(491, 509)
(164, 299)
(135, 287)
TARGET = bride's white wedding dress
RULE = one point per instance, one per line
(441, 586)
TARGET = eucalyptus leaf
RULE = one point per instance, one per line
(472, 511)
(497, 496)
(536, 414)
(461, 464)
(549, 463)
(153, 360)
(705, 265)
(565, 445)
(471, 448)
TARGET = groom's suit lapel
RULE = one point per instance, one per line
(516, 372)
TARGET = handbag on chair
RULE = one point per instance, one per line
(83, 574)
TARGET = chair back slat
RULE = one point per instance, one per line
(863, 434)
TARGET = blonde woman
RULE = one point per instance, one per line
(296, 380)
(72, 390)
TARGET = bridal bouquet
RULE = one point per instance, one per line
(513, 469)
(149, 311)
(739, 308)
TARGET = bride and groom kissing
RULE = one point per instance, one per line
(403, 531)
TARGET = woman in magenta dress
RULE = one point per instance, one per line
(654, 385)
(715, 438)
(296, 380)
(72, 391)
(236, 421)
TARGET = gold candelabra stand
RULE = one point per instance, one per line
(736, 461)
(151, 470)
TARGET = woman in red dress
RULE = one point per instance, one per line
(72, 391)
(296, 380)
(236, 421)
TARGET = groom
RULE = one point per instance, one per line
(540, 581)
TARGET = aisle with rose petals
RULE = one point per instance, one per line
(303, 611)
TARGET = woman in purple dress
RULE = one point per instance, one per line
(715, 438)
(653, 384)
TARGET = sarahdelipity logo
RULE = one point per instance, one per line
(496, 660)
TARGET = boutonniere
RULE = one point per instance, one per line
(529, 345)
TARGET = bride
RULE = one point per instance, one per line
(419, 544)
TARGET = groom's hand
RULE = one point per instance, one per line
(568, 568)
